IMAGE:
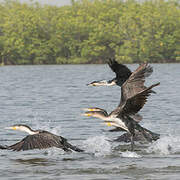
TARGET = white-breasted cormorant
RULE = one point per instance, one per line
(133, 97)
(39, 139)
(122, 74)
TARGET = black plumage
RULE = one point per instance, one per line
(133, 97)
(40, 139)
(122, 72)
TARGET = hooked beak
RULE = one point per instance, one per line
(12, 127)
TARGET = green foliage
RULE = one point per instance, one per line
(90, 32)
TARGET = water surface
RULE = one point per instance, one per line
(52, 98)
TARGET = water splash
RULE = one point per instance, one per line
(98, 145)
(53, 151)
(165, 145)
(130, 154)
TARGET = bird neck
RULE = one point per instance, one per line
(102, 115)
(28, 130)
(111, 82)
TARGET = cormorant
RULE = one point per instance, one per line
(126, 137)
(133, 97)
(122, 74)
(39, 139)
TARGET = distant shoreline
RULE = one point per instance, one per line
(89, 32)
(83, 64)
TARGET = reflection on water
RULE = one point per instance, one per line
(34, 161)
(52, 98)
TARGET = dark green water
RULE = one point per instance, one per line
(52, 98)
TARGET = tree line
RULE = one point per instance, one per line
(90, 32)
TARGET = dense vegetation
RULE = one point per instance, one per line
(90, 31)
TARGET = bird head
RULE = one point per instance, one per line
(100, 115)
(21, 127)
(98, 83)
(95, 111)
(97, 114)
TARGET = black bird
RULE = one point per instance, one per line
(126, 137)
(122, 74)
(39, 139)
(133, 97)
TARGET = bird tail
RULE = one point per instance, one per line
(68, 146)
(154, 136)
(150, 136)
(74, 148)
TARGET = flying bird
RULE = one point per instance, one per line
(39, 139)
(133, 97)
(122, 74)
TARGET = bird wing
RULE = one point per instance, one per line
(37, 141)
(135, 83)
(122, 72)
(133, 104)
(133, 92)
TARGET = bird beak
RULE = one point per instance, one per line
(89, 109)
(86, 114)
(85, 109)
(90, 84)
(109, 124)
(12, 127)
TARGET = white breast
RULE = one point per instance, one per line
(119, 123)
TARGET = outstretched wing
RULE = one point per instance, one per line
(135, 83)
(133, 104)
(38, 141)
(133, 92)
(122, 72)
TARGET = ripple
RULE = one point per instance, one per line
(98, 145)
(166, 145)
(47, 97)
(130, 154)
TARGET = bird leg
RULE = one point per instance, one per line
(131, 128)
(132, 142)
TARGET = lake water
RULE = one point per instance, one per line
(52, 98)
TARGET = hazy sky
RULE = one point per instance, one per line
(52, 2)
